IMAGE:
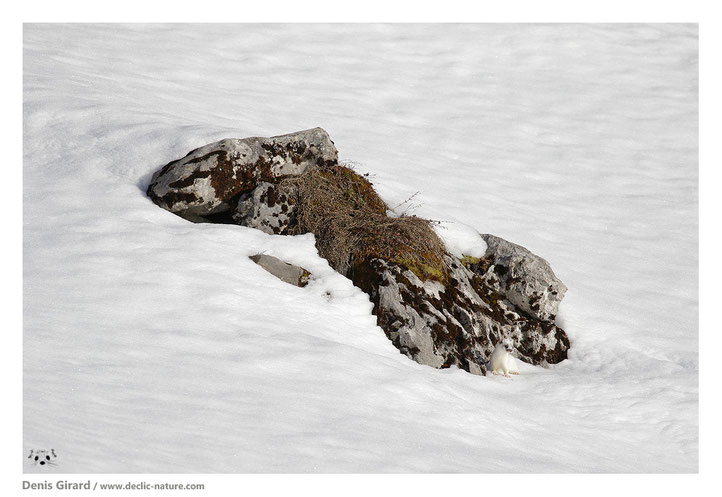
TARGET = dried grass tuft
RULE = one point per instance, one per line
(349, 220)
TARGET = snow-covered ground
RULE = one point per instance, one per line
(155, 345)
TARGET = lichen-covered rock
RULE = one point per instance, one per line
(209, 180)
(295, 275)
(523, 278)
(459, 323)
(269, 207)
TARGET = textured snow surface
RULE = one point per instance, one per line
(155, 345)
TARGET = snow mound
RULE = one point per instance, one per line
(460, 239)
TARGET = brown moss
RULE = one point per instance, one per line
(349, 220)
(226, 179)
(493, 300)
(407, 241)
(478, 265)
(205, 157)
(189, 180)
(468, 260)
(173, 197)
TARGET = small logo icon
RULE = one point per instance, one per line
(42, 457)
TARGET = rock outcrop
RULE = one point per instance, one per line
(459, 323)
(208, 182)
(525, 279)
(436, 308)
(268, 207)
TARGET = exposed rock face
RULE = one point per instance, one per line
(209, 180)
(435, 308)
(269, 207)
(457, 324)
(295, 275)
(436, 325)
(525, 279)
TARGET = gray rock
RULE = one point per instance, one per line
(295, 275)
(523, 278)
(268, 207)
(209, 180)
(457, 324)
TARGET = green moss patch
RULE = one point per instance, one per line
(476, 264)
(468, 260)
